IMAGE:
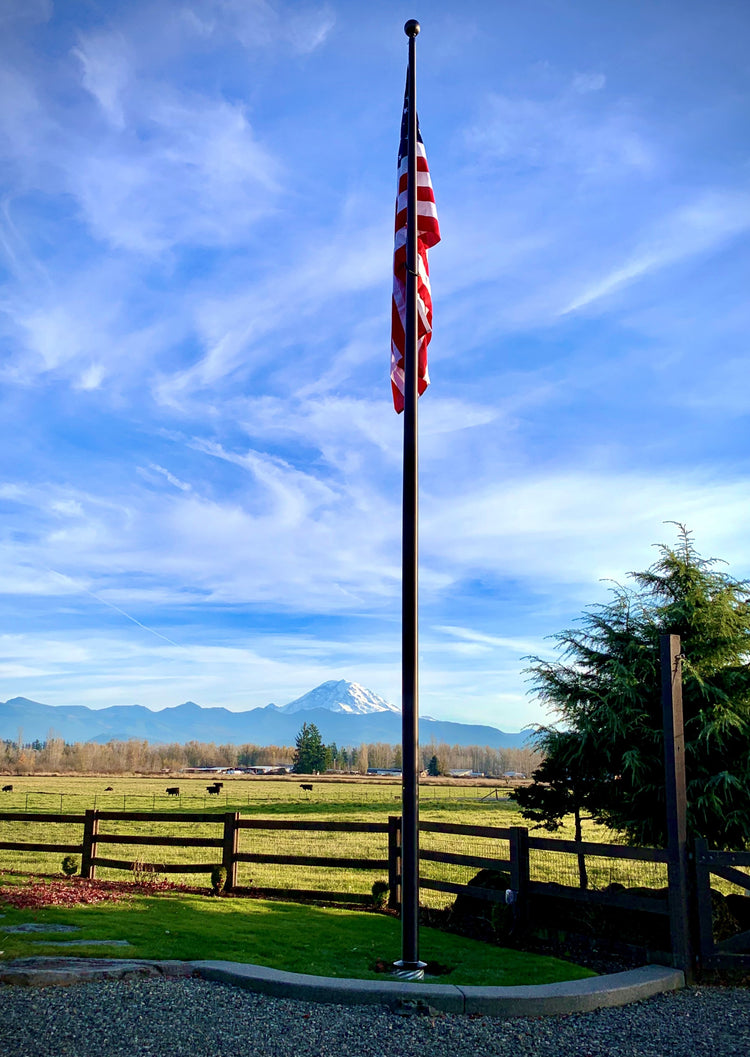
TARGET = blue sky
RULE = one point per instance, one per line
(200, 475)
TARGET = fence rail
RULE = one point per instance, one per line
(611, 851)
(504, 849)
(508, 851)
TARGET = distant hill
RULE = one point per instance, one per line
(344, 712)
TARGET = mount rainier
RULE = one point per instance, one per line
(341, 696)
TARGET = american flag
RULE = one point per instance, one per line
(428, 234)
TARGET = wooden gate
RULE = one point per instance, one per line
(732, 951)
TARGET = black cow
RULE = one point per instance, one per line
(213, 789)
(173, 790)
(306, 788)
(7, 788)
(109, 789)
(219, 785)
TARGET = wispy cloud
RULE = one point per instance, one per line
(700, 227)
(567, 131)
(260, 24)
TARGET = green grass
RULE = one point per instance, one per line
(317, 940)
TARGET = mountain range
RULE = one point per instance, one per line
(343, 712)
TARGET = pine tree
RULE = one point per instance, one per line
(606, 691)
(310, 752)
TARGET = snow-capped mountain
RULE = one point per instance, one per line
(341, 696)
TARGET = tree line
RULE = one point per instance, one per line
(54, 755)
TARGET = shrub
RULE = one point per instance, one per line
(218, 879)
(380, 891)
(145, 875)
(70, 865)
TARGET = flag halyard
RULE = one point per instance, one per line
(428, 235)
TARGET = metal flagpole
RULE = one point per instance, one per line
(410, 966)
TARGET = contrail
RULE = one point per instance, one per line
(85, 590)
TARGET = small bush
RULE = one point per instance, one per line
(145, 875)
(380, 891)
(218, 879)
(70, 865)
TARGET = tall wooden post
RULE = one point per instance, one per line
(519, 875)
(229, 848)
(676, 804)
(394, 861)
(89, 851)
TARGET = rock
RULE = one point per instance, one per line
(35, 927)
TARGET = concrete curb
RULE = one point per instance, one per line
(569, 996)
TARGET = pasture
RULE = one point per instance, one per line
(283, 798)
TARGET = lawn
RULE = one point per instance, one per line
(323, 941)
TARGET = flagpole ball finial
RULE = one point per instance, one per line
(412, 28)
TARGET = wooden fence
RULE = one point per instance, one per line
(95, 842)
(516, 864)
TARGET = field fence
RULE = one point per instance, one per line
(450, 853)
(562, 868)
(239, 796)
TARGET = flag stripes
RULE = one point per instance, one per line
(428, 235)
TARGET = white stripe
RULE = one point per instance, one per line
(401, 200)
(421, 153)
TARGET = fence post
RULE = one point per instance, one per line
(229, 848)
(394, 861)
(703, 901)
(519, 873)
(676, 804)
(88, 853)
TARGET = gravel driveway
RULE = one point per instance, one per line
(195, 1018)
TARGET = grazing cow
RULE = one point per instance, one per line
(109, 789)
(219, 785)
(7, 788)
(213, 790)
(306, 788)
(173, 790)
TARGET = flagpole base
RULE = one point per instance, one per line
(409, 970)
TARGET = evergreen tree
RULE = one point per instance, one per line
(433, 767)
(310, 752)
(606, 690)
(560, 788)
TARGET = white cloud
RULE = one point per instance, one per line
(67, 507)
(490, 643)
(106, 63)
(309, 29)
(559, 134)
(702, 226)
(199, 177)
(258, 24)
(588, 82)
(160, 471)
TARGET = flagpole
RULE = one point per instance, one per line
(410, 966)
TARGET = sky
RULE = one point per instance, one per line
(200, 465)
